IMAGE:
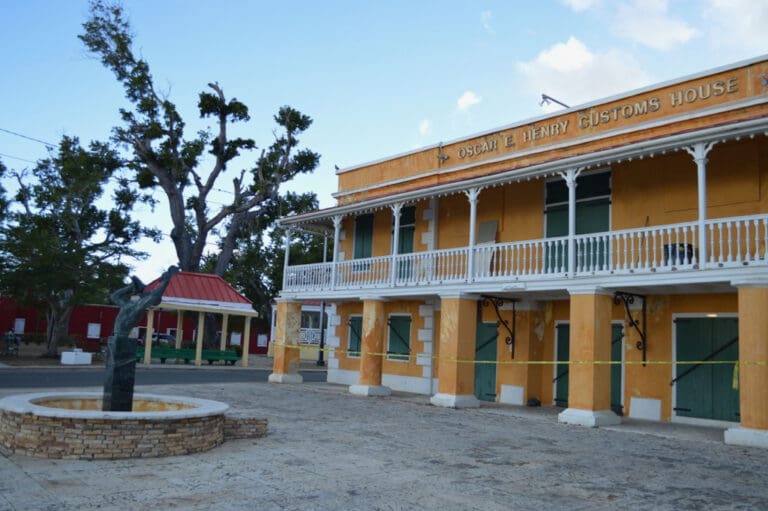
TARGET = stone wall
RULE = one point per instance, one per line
(75, 438)
(244, 427)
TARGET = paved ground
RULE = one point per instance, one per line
(329, 450)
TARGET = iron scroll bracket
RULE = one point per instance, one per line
(628, 299)
(497, 302)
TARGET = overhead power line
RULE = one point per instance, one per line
(16, 158)
(47, 144)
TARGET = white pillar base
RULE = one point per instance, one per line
(285, 378)
(454, 401)
(589, 418)
(747, 436)
(370, 390)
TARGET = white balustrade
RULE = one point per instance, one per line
(734, 241)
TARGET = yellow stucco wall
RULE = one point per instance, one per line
(468, 158)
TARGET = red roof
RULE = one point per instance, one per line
(200, 286)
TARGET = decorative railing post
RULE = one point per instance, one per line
(472, 194)
(336, 235)
(570, 176)
(396, 208)
(699, 152)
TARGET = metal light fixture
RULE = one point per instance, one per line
(545, 100)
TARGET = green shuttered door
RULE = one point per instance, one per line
(707, 392)
(485, 350)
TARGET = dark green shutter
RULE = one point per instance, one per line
(486, 340)
(399, 337)
(561, 373)
(363, 237)
(617, 346)
(707, 391)
(355, 335)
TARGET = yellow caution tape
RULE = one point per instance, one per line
(356, 354)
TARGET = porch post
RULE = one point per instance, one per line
(224, 325)
(372, 350)
(246, 342)
(458, 327)
(336, 235)
(148, 336)
(179, 328)
(199, 338)
(396, 208)
(287, 256)
(472, 194)
(570, 176)
(753, 371)
(285, 367)
(699, 152)
(589, 383)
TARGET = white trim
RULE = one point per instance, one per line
(342, 376)
(673, 370)
(455, 401)
(370, 390)
(512, 394)
(589, 418)
(285, 378)
(169, 302)
(412, 384)
(746, 436)
(645, 408)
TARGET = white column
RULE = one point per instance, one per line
(570, 176)
(396, 208)
(472, 194)
(699, 152)
(336, 235)
(246, 342)
(224, 328)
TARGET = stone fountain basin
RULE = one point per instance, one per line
(71, 425)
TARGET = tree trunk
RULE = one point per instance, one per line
(58, 326)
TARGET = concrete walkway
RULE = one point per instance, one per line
(329, 450)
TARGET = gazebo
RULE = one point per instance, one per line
(202, 293)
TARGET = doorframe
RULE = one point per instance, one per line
(695, 421)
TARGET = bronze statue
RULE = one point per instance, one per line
(121, 351)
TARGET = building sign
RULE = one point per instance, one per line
(602, 117)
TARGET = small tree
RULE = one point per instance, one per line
(59, 247)
(163, 158)
(256, 268)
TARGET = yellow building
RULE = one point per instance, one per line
(609, 258)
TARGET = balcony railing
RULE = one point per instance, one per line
(731, 242)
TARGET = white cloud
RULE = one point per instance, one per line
(467, 100)
(425, 127)
(580, 5)
(648, 23)
(485, 19)
(573, 74)
(738, 24)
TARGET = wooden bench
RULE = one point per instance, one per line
(187, 354)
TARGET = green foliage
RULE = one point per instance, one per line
(58, 246)
(164, 158)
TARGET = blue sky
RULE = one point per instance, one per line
(378, 78)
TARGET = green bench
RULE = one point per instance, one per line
(164, 353)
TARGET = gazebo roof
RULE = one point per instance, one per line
(203, 292)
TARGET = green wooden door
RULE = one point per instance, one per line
(706, 391)
(562, 334)
(617, 347)
(399, 344)
(485, 351)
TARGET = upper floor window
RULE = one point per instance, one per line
(363, 237)
(407, 229)
(593, 199)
